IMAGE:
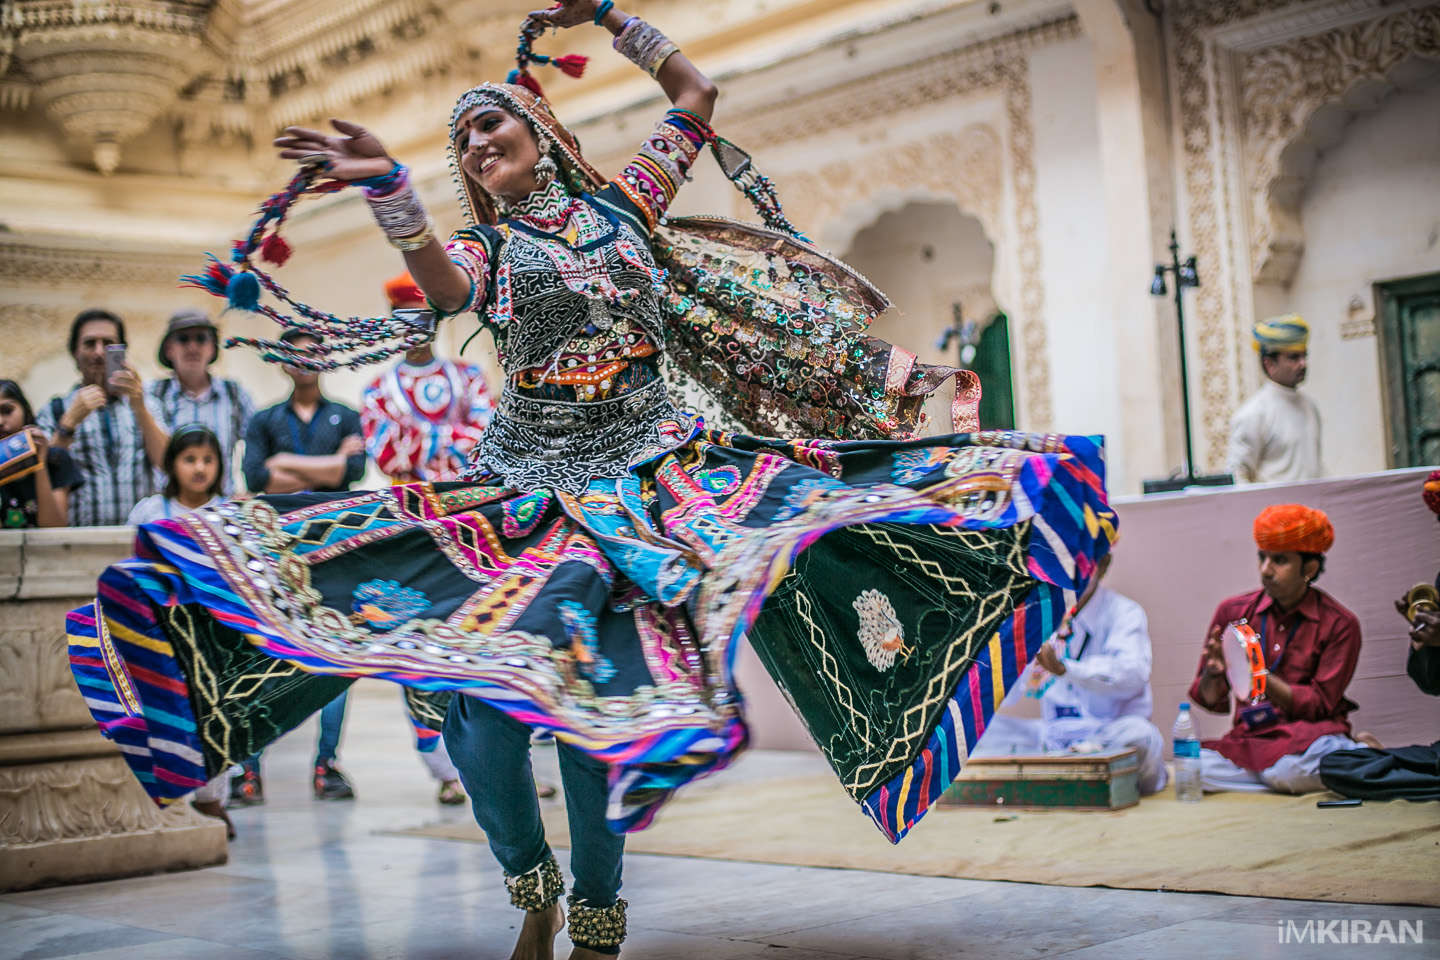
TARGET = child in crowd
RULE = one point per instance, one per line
(194, 472)
(42, 498)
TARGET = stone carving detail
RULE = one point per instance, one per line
(1282, 86)
(81, 798)
(964, 165)
(105, 71)
(22, 264)
(1204, 35)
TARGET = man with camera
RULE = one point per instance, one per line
(1294, 649)
(106, 423)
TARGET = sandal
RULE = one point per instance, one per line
(451, 794)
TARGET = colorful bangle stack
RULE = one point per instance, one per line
(398, 210)
(644, 46)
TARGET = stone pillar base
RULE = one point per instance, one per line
(70, 810)
(86, 819)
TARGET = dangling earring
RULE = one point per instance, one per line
(545, 168)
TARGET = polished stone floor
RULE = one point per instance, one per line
(326, 881)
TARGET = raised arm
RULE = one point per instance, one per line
(357, 155)
(687, 87)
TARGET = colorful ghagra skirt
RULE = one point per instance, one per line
(894, 590)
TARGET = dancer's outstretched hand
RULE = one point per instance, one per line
(354, 155)
(568, 13)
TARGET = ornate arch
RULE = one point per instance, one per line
(1297, 96)
(1251, 80)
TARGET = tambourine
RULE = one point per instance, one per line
(1244, 661)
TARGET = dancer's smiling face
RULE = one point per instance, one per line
(498, 151)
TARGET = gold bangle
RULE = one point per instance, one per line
(421, 239)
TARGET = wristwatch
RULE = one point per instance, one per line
(64, 432)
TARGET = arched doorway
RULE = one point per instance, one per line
(934, 262)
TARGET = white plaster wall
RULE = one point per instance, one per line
(1070, 195)
(923, 256)
(1371, 212)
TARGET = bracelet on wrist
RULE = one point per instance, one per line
(386, 182)
(421, 239)
(603, 9)
(644, 46)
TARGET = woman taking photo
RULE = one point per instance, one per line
(595, 573)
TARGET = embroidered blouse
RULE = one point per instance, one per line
(576, 320)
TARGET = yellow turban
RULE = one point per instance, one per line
(1283, 334)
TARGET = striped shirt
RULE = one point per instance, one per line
(110, 452)
(225, 409)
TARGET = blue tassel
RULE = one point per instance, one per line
(513, 76)
(243, 291)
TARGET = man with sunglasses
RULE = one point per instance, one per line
(193, 395)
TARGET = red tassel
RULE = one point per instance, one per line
(530, 83)
(572, 64)
(275, 250)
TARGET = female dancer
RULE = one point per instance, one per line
(594, 576)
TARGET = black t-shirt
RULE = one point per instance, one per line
(17, 499)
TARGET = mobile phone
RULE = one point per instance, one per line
(114, 362)
(1352, 802)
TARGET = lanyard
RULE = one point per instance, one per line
(297, 443)
(1265, 650)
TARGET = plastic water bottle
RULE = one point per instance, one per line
(1186, 738)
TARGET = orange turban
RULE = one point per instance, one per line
(403, 292)
(1294, 527)
(1432, 491)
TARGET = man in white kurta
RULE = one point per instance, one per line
(1275, 435)
(1096, 692)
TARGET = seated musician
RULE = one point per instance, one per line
(1093, 682)
(1295, 711)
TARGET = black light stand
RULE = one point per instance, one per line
(1185, 276)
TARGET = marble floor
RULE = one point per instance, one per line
(328, 881)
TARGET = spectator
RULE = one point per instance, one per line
(42, 498)
(1309, 645)
(423, 416)
(306, 442)
(1275, 435)
(193, 396)
(1093, 682)
(109, 428)
(194, 467)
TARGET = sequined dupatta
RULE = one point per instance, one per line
(773, 331)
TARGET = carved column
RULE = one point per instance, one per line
(70, 810)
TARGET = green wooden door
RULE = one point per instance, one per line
(992, 365)
(1410, 348)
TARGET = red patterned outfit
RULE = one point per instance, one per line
(421, 422)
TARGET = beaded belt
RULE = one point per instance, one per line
(534, 443)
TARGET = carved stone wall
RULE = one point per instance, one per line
(990, 174)
(70, 810)
(1283, 86)
(1256, 84)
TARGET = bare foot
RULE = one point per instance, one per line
(537, 936)
(1370, 740)
(583, 953)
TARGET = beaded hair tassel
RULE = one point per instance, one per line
(343, 342)
(572, 65)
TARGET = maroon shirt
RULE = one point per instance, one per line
(1317, 644)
